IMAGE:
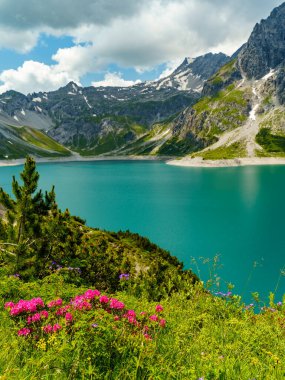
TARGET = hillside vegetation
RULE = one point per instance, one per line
(80, 303)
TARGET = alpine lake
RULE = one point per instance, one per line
(226, 224)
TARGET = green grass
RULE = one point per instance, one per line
(34, 142)
(235, 150)
(275, 120)
(272, 144)
(196, 332)
(205, 337)
(180, 147)
(124, 131)
(223, 74)
(225, 111)
(40, 140)
(228, 97)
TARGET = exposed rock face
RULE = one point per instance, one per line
(193, 73)
(280, 85)
(265, 48)
(206, 65)
(227, 75)
(100, 120)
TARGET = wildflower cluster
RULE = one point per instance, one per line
(37, 319)
(54, 266)
(228, 294)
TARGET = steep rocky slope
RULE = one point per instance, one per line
(241, 113)
(105, 120)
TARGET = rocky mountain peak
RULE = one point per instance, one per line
(71, 86)
(265, 48)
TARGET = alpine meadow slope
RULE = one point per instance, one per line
(80, 303)
(103, 120)
(241, 114)
(211, 107)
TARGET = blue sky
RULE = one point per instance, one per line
(48, 45)
(45, 44)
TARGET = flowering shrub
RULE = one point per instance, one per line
(36, 322)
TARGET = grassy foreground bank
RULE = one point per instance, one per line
(202, 336)
(80, 303)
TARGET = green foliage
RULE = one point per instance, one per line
(26, 140)
(237, 149)
(24, 215)
(121, 130)
(41, 140)
(275, 121)
(271, 143)
(205, 336)
(223, 75)
(180, 147)
(228, 97)
(37, 239)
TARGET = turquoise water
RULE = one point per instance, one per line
(238, 213)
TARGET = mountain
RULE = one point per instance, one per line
(193, 73)
(104, 120)
(241, 112)
(211, 107)
(265, 48)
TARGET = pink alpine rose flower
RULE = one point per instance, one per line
(158, 308)
(115, 304)
(56, 327)
(104, 299)
(154, 318)
(24, 332)
(147, 336)
(44, 314)
(68, 317)
(131, 313)
(8, 305)
(90, 294)
(54, 303)
(47, 329)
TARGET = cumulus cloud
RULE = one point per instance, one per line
(61, 14)
(114, 80)
(169, 30)
(77, 60)
(22, 42)
(137, 34)
(134, 32)
(169, 68)
(34, 76)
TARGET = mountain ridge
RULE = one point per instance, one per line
(94, 121)
(241, 112)
(213, 107)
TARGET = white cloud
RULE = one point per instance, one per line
(34, 76)
(128, 33)
(114, 80)
(170, 67)
(64, 13)
(76, 60)
(22, 42)
(135, 33)
(167, 30)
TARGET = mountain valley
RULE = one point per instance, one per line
(213, 107)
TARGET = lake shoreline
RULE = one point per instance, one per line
(183, 162)
(200, 163)
(77, 158)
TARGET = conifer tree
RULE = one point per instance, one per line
(24, 214)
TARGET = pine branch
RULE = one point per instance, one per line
(9, 253)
